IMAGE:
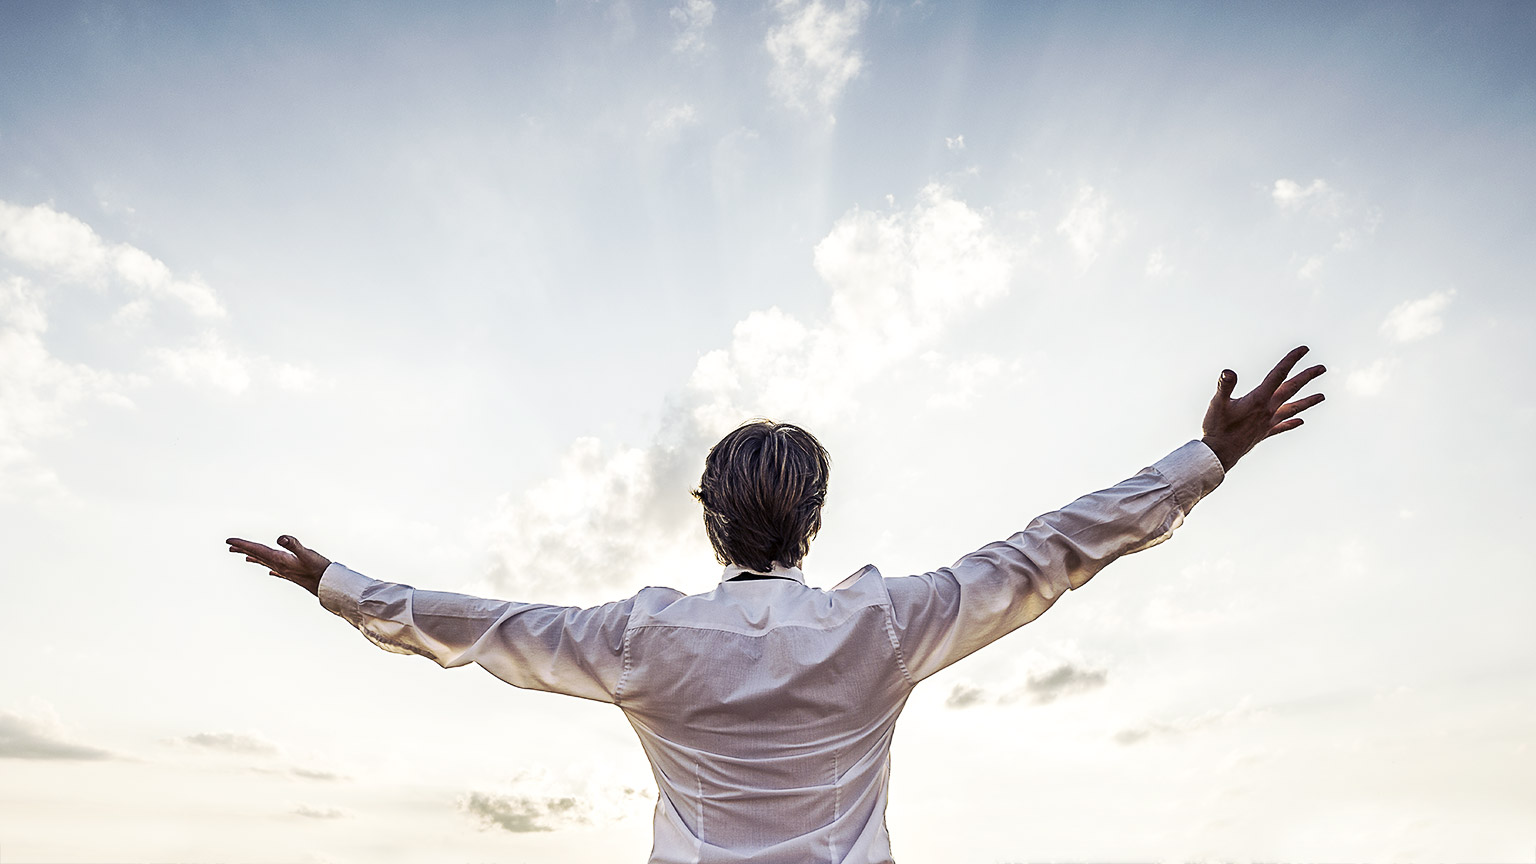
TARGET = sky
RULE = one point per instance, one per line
(461, 294)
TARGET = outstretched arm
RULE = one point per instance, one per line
(562, 649)
(947, 614)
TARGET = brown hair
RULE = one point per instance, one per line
(762, 491)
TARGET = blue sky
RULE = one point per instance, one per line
(461, 295)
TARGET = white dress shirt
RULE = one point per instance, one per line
(767, 707)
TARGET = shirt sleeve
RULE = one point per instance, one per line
(561, 649)
(945, 615)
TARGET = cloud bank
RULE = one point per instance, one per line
(31, 738)
(523, 814)
(1067, 678)
(59, 245)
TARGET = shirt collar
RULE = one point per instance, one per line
(779, 570)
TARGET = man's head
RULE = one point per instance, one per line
(762, 491)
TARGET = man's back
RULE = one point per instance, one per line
(766, 709)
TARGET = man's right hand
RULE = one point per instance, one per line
(299, 565)
(1232, 427)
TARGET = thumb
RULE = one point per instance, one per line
(307, 557)
(1225, 383)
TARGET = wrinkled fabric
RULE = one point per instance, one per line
(767, 707)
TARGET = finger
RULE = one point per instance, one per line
(1282, 370)
(299, 550)
(249, 548)
(1299, 380)
(1224, 384)
(253, 550)
(1284, 427)
(305, 554)
(263, 555)
(1291, 409)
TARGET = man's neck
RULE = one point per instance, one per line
(737, 573)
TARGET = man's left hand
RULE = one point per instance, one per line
(1232, 427)
(300, 565)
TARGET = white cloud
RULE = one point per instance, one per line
(1351, 237)
(1413, 320)
(318, 812)
(45, 239)
(1157, 264)
(65, 248)
(315, 774)
(42, 738)
(288, 376)
(1370, 380)
(208, 362)
(955, 143)
(692, 18)
(605, 511)
(152, 277)
(897, 281)
(522, 814)
(966, 695)
(242, 743)
(667, 120)
(1056, 673)
(1090, 225)
(39, 393)
(1064, 680)
(813, 52)
(1346, 222)
(1293, 196)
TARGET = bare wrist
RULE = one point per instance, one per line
(1223, 450)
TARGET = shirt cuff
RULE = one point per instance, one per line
(341, 590)
(1193, 471)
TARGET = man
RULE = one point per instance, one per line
(767, 707)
